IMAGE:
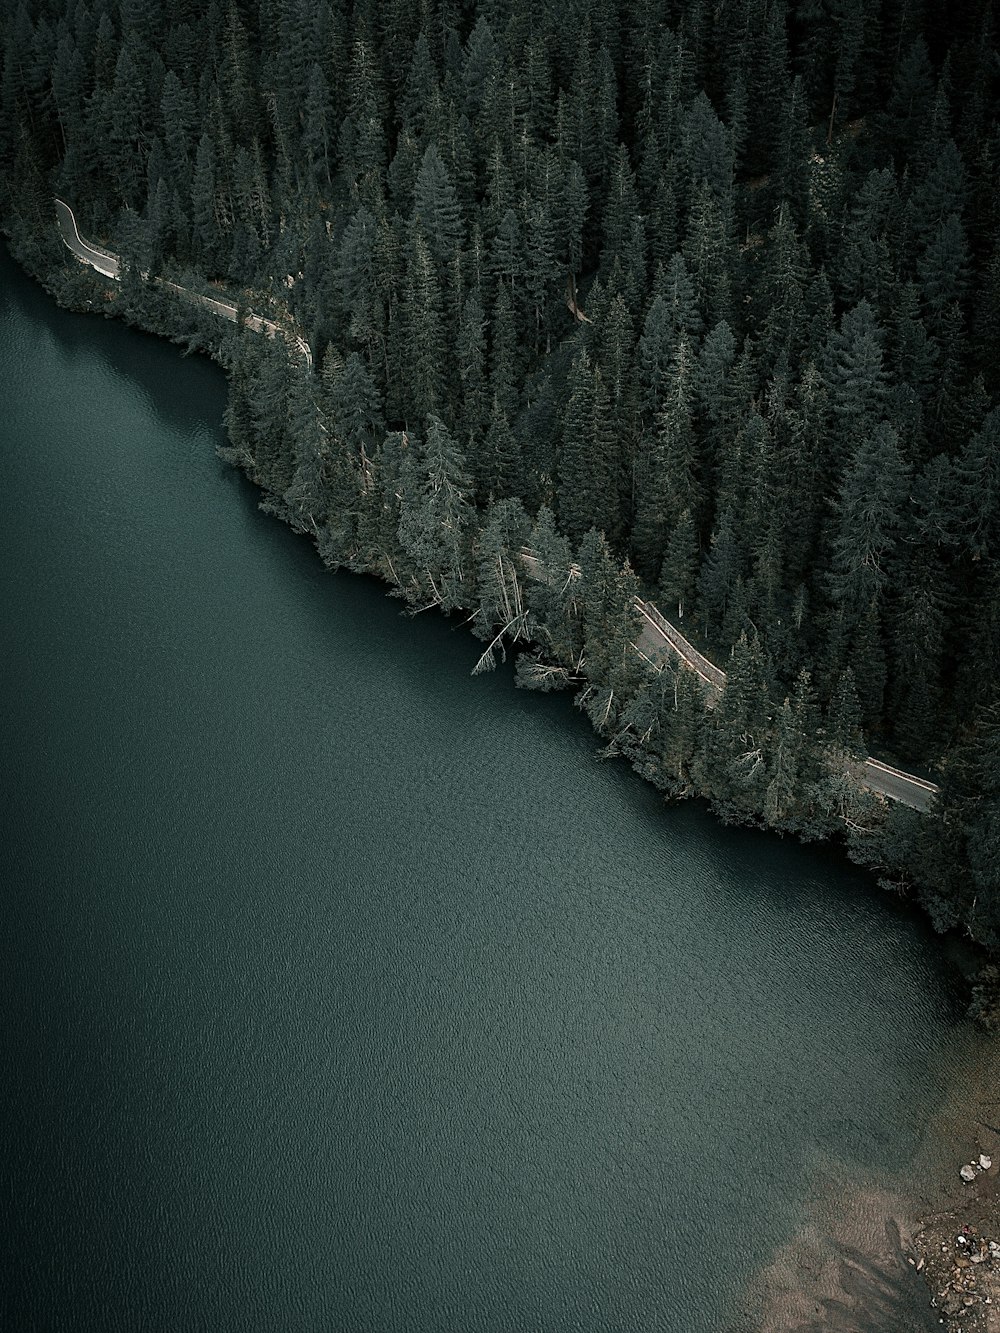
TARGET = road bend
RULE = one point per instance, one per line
(104, 261)
(659, 640)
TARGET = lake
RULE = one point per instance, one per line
(346, 991)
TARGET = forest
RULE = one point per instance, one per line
(694, 300)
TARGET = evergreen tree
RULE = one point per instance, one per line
(680, 564)
(553, 598)
(586, 485)
(436, 519)
(667, 484)
(498, 457)
(868, 516)
(471, 357)
(610, 623)
(356, 405)
(856, 378)
(503, 607)
(719, 282)
(423, 319)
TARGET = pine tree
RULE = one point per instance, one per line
(420, 90)
(356, 405)
(436, 519)
(720, 573)
(680, 564)
(206, 237)
(843, 718)
(943, 266)
(610, 621)
(436, 208)
(505, 358)
(856, 378)
(571, 221)
(586, 483)
(868, 517)
(497, 458)
(503, 607)
(542, 272)
(177, 113)
(784, 758)
(128, 121)
(471, 358)
(667, 483)
(918, 624)
(977, 491)
(709, 254)
(621, 207)
(362, 136)
(655, 352)
(732, 767)
(356, 270)
(317, 132)
(706, 149)
(423, 319)
(553, 598)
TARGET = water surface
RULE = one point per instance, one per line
(345, 991)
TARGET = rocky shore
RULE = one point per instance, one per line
(957, 1250)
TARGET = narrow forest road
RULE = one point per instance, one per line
(658, 635)
(104, 261)
(659, 638)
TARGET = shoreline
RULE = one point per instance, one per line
(952, 1249)
(929, 1246)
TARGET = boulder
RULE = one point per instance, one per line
(968, 1173)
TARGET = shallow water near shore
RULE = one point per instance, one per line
(345, 990)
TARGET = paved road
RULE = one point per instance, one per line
(103, 260)
(659, 639)
(897, 785)
(658, 635)
(657, 632)
(107, 263)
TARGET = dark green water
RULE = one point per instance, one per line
(345, 991)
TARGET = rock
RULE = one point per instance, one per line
(968, 1173)
(952, 1303)
(985, 1162)
(961, 1262)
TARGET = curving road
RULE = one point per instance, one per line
(658, 634)
(104, 261)
(659, 638)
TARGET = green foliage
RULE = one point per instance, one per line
(719, 283)
(436, 520)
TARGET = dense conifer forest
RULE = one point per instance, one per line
(698, 298)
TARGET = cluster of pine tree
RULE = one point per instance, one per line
(707, 292)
